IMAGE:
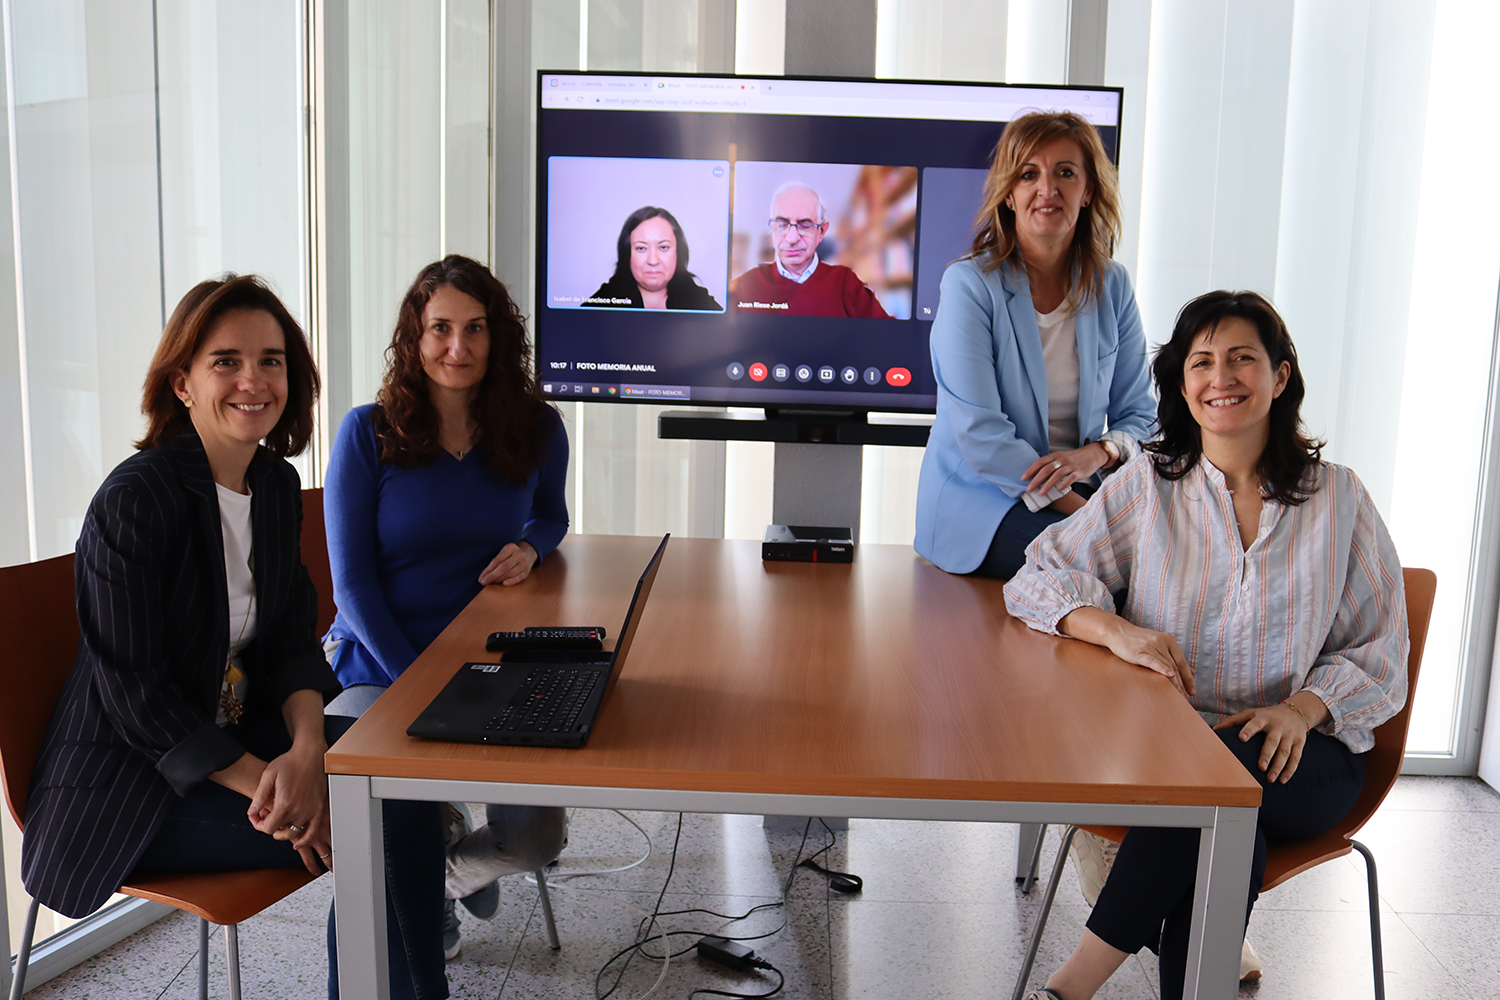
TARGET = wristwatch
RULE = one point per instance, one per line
(1112, 449)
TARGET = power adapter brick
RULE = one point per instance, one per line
(730, 954)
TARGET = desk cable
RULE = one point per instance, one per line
(842, 882)
(643, 936)
(559, 876)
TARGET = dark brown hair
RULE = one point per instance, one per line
(185, 332)
(508, 407)
(1098, 222)
(1287, 465)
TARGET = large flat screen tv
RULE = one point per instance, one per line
(760, 241)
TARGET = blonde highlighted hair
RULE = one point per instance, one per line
(1098, 221)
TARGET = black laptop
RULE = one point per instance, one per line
(546, 698)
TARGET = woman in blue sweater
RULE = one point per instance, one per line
(452, 480)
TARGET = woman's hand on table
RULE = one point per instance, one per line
(1062, 469)
(291, 803)
(1143, 647)
(511, 566)
(1286, 725)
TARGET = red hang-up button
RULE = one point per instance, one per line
(897, 377)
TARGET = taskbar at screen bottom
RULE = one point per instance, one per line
(890, 402)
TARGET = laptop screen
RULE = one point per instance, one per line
(638, 600)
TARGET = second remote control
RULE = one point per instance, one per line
(593, 631)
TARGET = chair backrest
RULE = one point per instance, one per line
(1383, 763)
(315, 556)
(39, 634)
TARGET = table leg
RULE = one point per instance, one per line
(1028, 835)
(359, 887)
(1224, 854)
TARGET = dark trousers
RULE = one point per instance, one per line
(1147, 902)
(1007, 553)
(209, 830)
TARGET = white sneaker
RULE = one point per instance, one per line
(1094, 857)
(1250, 968)
(474, 862)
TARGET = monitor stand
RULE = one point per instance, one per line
(818, 484)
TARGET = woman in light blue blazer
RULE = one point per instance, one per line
(1038, 352)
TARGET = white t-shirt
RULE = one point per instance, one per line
(234, 519)
(1060, 353)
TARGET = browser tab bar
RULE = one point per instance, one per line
(824, 98)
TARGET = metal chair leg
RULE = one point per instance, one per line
(1041, 920)
(232, 949)
(23, 957)
(202, 959)
(1376, 954)
(541, 888)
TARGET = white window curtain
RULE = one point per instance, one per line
(149, 146)
(418, 160)
(1321, 153)
(1308, 151)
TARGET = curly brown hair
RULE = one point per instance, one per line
(191, 322)
(1098, 221)
(508, 407)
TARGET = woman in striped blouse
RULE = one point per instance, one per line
(1259, 579)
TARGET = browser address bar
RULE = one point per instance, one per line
(652, 102)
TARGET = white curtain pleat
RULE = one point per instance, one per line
(1310, 151)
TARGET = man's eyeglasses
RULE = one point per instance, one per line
(806, 227)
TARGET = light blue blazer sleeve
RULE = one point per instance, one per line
(992, 400)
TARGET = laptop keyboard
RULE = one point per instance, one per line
(549, 701)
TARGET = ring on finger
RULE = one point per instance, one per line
(1056, 465)
(298, 830)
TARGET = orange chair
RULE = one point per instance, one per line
(315, 556)
(39, 632)
(1382, 767)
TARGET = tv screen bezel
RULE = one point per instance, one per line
(810, 406)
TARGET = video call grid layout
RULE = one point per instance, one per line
(717, 174)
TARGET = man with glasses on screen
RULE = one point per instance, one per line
(797, 283)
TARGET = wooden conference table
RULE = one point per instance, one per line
(882, 689)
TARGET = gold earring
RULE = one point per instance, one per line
(188, 403)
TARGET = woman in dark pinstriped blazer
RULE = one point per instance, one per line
(190, 734)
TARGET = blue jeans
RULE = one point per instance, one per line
(209, 830)
(1007, 553)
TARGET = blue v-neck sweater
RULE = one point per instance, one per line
(407, 545)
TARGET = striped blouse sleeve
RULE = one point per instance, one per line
(1361, 672)
(1085, 560)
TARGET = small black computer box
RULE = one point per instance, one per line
(807, 543)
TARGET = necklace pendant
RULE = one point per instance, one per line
(231, 706)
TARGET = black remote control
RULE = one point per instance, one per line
(589, 639)
(554, 631)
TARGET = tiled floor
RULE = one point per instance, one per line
(939, 917)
